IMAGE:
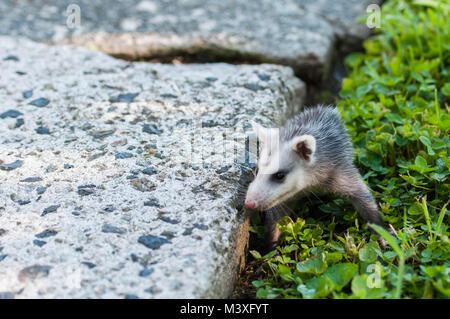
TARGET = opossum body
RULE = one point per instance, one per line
(311, 152)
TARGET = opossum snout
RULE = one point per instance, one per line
(250, 204)
(252, 199)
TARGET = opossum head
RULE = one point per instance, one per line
(284, 168)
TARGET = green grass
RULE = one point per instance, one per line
(395, 103)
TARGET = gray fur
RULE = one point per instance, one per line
(272, 232)
(333, 145)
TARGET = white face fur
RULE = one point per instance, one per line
(282, 168)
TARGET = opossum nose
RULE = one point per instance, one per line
(250, 204)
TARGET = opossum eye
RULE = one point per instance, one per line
(256, 170)
(279, 176)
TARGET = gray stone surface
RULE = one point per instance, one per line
(343, 15)
(113, 202)
(300, 33)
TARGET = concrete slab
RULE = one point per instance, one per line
(303, 34)
(113, 179)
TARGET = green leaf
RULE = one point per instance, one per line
(395, 118)
(341, 274)
(415, 209)
(433, 271)
(427, 215)
(440, 219)
(262, 293)
(307, 293)
(290, 248)
(270, 254)
(446, 89)
(315, 266)
(361, 91)
(334, 257)
(396, 66)
(259, 283)
(426, 141)
(390, 255)
(322, 286)
(284, 270)
(368, 253)
(360, 288)
(421, 162)
(255, 254)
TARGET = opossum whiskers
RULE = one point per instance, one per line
(317, 197)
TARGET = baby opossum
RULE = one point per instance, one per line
(312, 152)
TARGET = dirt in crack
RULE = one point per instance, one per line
(308, 69)
(196, 56)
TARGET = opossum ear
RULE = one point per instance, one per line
(263, 134)
(305, 147)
